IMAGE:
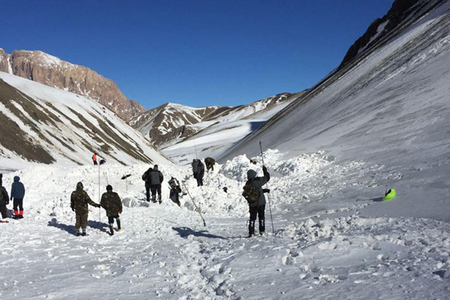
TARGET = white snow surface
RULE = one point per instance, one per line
(328, 235)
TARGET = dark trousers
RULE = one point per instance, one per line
(156, 188)
(175, 196)
(257, 211)
(199, 181)
(3, 210)
(111, 220)
(18, 204)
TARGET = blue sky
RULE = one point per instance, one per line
(194, 52)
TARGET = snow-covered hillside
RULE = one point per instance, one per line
(66, 128)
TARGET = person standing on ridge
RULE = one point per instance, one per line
(200, 172)
(175, 190)
(17, 195)
(258, 206)
(113, 205)
(79, 201)
(156, 178)
(94, 158)
(209, 162)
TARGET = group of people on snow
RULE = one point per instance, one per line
(17, 195)
(111, 202)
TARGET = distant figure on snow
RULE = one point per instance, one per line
(146, 178)
(94, 158)
(113, 205)
(4, 200)
(175, 190)
(209, 162)
(79, 201)
(17, 195)
(198, 168)
(258, 204)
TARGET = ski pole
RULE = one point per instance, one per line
(196, 207)
(268, 198)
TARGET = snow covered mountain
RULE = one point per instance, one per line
(172, 124)
(54, 72)
(41, 124)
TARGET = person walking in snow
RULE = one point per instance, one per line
(198, 168)
(175, 190)
(112, 203)
(4, 200)
(156, 178)
(79, 201)
(257, 208)
(209, 162)
(17, 195)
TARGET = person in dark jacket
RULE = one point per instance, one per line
(259, 206)
(113, 205)
(156, 178)
(198, 168)
(209, 162)
(79, 201)
(4, 200)
(175, 190)
(17, 195)
(146, 178)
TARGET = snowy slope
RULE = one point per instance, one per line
(69, 127)
(382, 125)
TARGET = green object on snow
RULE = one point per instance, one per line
(389, 195)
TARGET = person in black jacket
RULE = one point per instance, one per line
(156, 178)
(4, 200)
(258, 208)
(17, 195)
(200, 172)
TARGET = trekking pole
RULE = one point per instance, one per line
(196, 207)
(99, 213)
(268, 198)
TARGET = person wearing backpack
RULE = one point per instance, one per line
(113, 205)
(254, 194)
(17, 194)
(175, 190)
(156, 178)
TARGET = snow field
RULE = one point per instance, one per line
(321, 245)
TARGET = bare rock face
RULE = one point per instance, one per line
(3, 61)
(49, 70)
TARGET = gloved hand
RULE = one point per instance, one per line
(266, 190)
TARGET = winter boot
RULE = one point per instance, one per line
(83, 231)
(251, 229)
(77, 231)
(21, 214)
(16, 214)
(262, 226)
(159, 199)
(154, 198)
(111, 230)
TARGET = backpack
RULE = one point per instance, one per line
(145, 176)
(251, 192)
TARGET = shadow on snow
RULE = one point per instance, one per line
(71, 228)
(184, 232)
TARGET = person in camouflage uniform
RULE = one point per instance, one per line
(113, 205)
(79, 201)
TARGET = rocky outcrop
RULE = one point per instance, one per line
(401, 11)
(52, 71)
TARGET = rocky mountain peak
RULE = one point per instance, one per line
(52, 71)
